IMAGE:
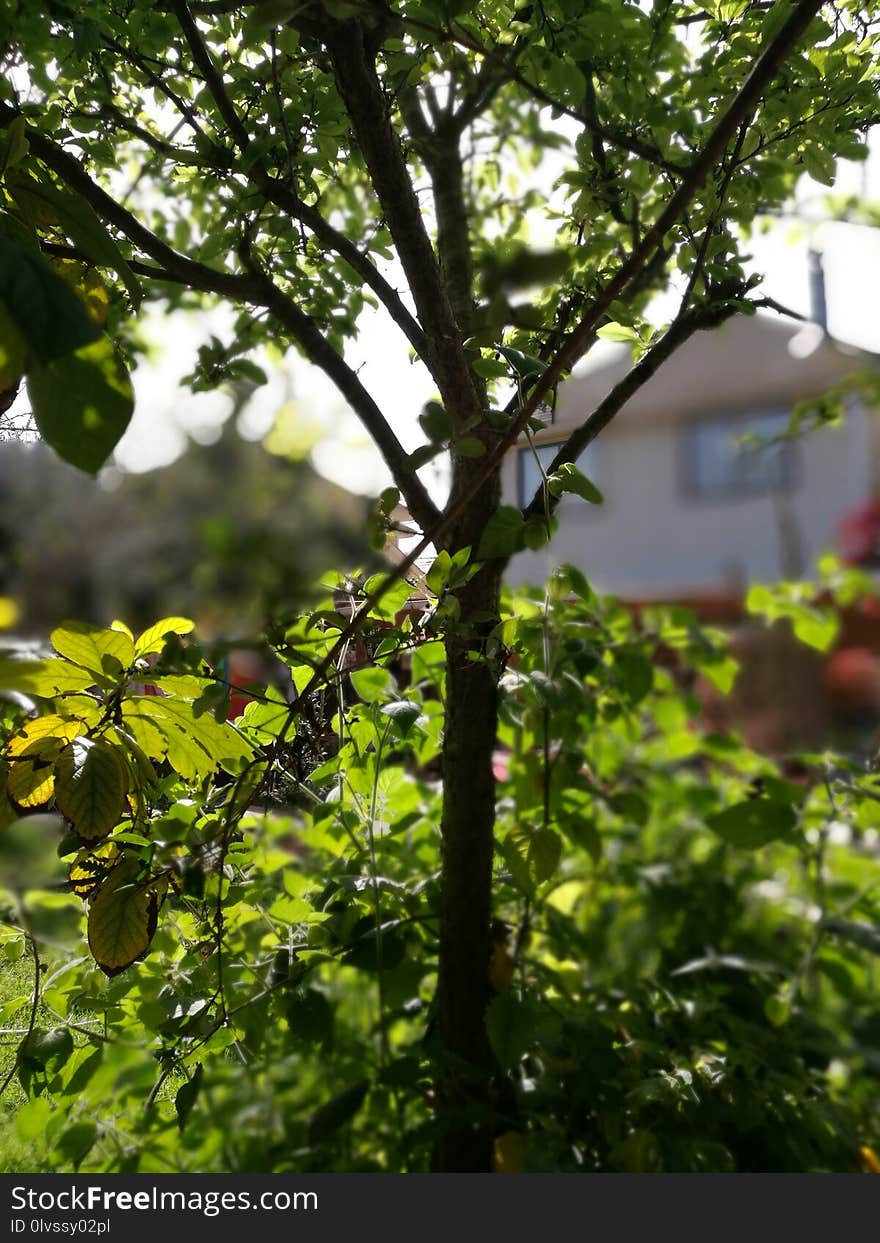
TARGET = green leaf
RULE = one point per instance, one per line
(91, 783)
(536, 532)
(532, 855)
(187, 1095)
(468, 446)
(81, 224)
(367, 950)
(436, 423)
(48, 1050)
(635, 672)
(76, 1142)
(43, 308)
(865, 936)
(569, 479)
(372, 683)
(617, 332)
(820, 164)
(421, 456)
(197, 745)
(523, 364)
(403, 713)
(338, 1111)
(754, 823)
(122, 918)
(153, 638)
(44, 678)
(510, 1025)
(503, 534)
(82, 404)
(15, 144)
(152, 740)
(438, 575)
(813, 626)
(777, 1008)
(105, 652)
(13, 351)
(720, 671)
(311, 1017)
(490, 368)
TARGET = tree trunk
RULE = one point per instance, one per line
(465, 1143)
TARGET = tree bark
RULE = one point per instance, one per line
(463, 1086)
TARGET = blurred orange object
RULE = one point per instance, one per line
(869, 1160)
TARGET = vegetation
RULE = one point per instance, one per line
(681, 974)
(675, 944)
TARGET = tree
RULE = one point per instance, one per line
(301, 159)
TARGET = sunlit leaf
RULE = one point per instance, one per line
(372, 683)
(153, 638)
(122, 917)
(44, 678)
(92, 780)
(105, 652)
(82, 403)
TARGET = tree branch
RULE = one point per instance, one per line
(509, 72)
(303, 329)
(368, 111)
(150, 271)
(286, 198)
(254, 287)
(683, 327)
(179, 268)
(737, 111)
(441, 154)
(157, 83)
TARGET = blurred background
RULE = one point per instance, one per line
(224, 504)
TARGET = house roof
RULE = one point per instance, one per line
(751, 362)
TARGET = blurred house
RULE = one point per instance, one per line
(703, 498)
(691, 510)
(226, 534)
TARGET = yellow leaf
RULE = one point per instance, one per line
(90, 867)
(8, 608)
(100, 651)
(153, 638)
(30, 782)
(87, 284)
(123, 917)
(36, 737)
(507, 1153)
(870, 1160)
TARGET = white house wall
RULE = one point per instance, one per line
(651, 538)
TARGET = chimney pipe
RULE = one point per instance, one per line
(818, 298)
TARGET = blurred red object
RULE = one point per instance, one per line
(852, 681)
(244, 670)
(858, 534)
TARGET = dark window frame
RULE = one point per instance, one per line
(735, 489)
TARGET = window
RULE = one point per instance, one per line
(718, 464)
(530, 475)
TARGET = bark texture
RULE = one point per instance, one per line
(463, 1087)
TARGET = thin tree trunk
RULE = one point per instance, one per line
(465, 1143)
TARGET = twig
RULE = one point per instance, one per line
(35, 1004)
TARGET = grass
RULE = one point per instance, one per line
(17, 1155)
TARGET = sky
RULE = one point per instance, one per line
(167, 414)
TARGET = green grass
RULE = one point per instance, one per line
(17, 1155)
